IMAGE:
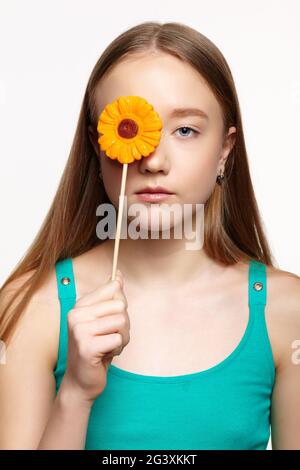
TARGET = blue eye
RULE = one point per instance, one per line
(189, 128)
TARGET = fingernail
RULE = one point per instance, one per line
(119, 279)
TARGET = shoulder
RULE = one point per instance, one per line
(283, 312)
(38, 325)
(284, 319)
(283, 293)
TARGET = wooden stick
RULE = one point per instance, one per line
(120, 212)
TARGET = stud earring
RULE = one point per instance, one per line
(220, 178)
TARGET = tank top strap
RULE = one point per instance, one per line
(65, 279)
(257, 289)
(257, 294)
(66, 289)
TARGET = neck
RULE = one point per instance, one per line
(162, 262)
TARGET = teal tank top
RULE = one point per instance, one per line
(225, 407)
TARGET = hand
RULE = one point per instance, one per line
(98, 330)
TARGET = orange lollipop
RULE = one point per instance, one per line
(131, 130)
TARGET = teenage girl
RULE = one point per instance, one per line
(186, 349)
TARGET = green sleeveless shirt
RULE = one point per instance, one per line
(224, 407)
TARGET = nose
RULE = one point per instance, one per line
(157, 161)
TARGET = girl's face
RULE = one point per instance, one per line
(186, 161)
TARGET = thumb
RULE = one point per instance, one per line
(119, 277)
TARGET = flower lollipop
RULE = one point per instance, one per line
(131, 130)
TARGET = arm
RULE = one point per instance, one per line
(31, 416)
(68, 421)
(285, 411)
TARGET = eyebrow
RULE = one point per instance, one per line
(183, 112)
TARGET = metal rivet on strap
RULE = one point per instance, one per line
(65, 281)
(258, 285)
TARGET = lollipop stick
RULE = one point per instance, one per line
(120, 212)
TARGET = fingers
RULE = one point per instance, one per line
(106, 346)
(96, 333)
(106, 336)
(102, 326)
(120, 278)
(100, 309)
(106, 291)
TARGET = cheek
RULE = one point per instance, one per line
(197, 178)
(196, 167)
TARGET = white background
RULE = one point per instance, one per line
(48, 50)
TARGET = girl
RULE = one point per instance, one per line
(209, 362)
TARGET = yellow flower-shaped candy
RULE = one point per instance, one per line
(130, 127)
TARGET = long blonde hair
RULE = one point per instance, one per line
(233, 229)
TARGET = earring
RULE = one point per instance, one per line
(100, 175)
(220, 178)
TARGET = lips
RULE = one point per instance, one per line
(153, 197)
(154, 190)
(154, 194)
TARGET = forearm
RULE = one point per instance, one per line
(67, 424)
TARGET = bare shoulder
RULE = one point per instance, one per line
(38, 325)
(283, 293)
(283, 312)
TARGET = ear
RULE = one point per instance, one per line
(94, 139)
(228, 144)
